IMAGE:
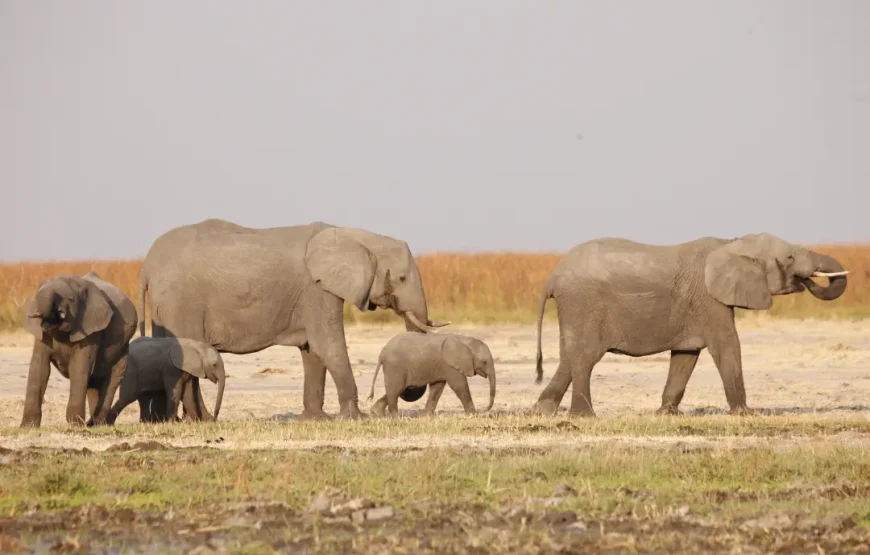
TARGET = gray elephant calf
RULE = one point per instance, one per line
(414, 360)
(158, 371)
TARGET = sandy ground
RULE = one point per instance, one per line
(789, 367)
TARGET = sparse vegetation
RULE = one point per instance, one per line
(480, 288)
(580, 495)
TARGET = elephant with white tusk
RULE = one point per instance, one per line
(242, 290)
(619, 296)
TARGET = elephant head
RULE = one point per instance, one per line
(67, 305)
(202, 361)
(370, 271)
(472, 357)
(748, 271)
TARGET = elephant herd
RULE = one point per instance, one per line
(216, 287)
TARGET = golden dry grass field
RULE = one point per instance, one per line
(793, 479)
(479, 288)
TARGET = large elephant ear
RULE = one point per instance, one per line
(188, 356)
(458, 355)
(736, 280)
(95, 312)
(342, 265)
(33, 325)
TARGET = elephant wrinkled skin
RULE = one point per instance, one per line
(159, 369)
(413, 361)
(242, 290)
(619, 296)
(82, 327)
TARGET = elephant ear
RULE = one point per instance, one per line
(95, 313)
(342, 266)
(33, 325)
(458, 355)
(736, 280)
(188, 356)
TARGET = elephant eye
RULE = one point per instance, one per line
(402, 279)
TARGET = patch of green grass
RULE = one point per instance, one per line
(608, 479)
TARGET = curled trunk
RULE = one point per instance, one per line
(836, 284)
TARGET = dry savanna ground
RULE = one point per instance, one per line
(795, 478)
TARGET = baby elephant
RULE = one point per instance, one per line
(413, 360)
(158, 371)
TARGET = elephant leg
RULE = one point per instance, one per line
(724, 347)
(173, 398)
(326, 339)
(380, 406)
(93, 402)
(193, 405)
(459, 384)
(108, 388)
(576, 361)
(152, 406)
(581, 396)
(314, 384)
(37, 382)
(435, 391)
(81, 367)
(682, 366)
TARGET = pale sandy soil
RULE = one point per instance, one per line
(789, 367)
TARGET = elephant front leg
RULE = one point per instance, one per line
(37, 382)
(314, 384)
(682, 366)
(81, 367)
(459, 384)
(435, 391)
(725, 350)
(107, 394)
(326, 339)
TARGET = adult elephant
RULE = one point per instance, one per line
(619, 296)
(242, 290)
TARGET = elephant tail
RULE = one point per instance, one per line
(143, 289)
(374, 379)
(545, 296)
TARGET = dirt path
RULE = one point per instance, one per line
(789, 367)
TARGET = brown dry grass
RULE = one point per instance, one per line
(483, 288)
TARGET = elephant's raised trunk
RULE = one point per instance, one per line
(222, 378)
(828, 267)
(491, 376)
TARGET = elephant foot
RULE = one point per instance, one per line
(30, 423)
(743, 411)
(582, 413)
(545, 407)
(314, 415)
(669, 410)
(351, 413)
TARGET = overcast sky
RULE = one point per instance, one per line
(454, 125)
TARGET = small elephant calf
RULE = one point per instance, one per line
(158, 371)
(414, 360)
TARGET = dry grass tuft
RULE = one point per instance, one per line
(480, 288)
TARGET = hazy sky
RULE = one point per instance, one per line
(454, 125)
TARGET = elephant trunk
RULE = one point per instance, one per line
(44, 304)
(416, 312)
(827, 266)
(491, 376)
(222, 378)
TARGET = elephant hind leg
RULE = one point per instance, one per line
(579, 351)
(682, 366)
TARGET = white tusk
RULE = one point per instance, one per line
(420, 325)
(830, 274)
